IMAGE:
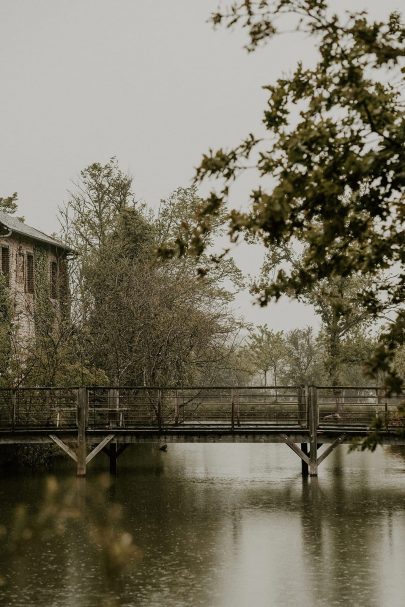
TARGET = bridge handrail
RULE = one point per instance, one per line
(236, 406)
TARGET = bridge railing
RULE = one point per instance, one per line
(123, 407)
(358, 407)
(30, 408)
(42, 408)
(224, 406)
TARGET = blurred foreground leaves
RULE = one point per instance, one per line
(79, 506)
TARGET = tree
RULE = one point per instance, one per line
(334, 151)
(355, 350)
(303, 358)
(338, 301)
(266, 351)
(300, 357)
(143, 321)
(9, 204)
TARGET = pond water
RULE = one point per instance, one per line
(211, 526)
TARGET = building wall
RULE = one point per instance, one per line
(23, 301)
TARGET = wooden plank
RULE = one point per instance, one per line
(295, 448)
(64, 447)
(99, 447)
(331, 448)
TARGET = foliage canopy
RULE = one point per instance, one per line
(330, 171)
(142, 321)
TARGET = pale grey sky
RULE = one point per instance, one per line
(149, 82)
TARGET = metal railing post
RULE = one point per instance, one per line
(313, 414)
(82, 412)
(303, 420)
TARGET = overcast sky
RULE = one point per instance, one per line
(147, 81)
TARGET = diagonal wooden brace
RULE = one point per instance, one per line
(64, 447)
(99, 447)
(295, 448)
(331, 448)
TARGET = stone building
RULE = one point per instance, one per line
(31, 262)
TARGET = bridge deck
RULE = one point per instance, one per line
(125, 415)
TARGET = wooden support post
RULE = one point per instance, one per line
(232, 411)
(301, 406)
(82, 410)
(14, 408)
(339, 399)
(304, 464)
(237, 407)
(113, 459)
(160, 409)
(114, 419)
(176, 408)
(380, 397)
(113, 451)
(313, 427)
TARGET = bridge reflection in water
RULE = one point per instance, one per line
(111, 418)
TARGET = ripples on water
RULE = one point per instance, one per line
(214, 526)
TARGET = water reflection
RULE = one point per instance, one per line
(219, 525)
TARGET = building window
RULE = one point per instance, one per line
(29, 273)
(5, 264)
(54, 280)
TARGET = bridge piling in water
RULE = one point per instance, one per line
(113, 455)
(304, 465)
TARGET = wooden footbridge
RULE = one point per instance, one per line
(85, 421)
